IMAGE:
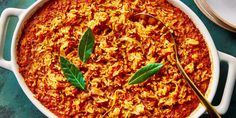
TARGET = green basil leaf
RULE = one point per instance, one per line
(145, 73)
(73, 74)
(86, 45)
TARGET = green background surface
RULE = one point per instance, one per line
(15, 104)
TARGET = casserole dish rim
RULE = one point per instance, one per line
(24, 15)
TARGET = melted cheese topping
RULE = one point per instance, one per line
(123, 44)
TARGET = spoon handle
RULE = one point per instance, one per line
(210, 109)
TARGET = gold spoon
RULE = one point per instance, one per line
(209, 108)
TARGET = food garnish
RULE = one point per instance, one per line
(86, 45)
(72, 74)
(145, 73)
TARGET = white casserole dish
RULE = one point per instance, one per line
(216, 57)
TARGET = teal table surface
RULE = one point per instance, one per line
(15, 104)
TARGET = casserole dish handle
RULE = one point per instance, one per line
(229, 85)
(3, 23)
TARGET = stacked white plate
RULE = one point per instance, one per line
(221, 12)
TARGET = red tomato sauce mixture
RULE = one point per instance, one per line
(122, 46)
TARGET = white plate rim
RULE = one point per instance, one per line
(212, 17)
(220, 16)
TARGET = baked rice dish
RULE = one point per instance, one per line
(123, 44)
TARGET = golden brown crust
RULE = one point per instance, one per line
(122, 46)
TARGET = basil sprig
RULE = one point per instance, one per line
(73, 74)
(86, 45)
(145, 73)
